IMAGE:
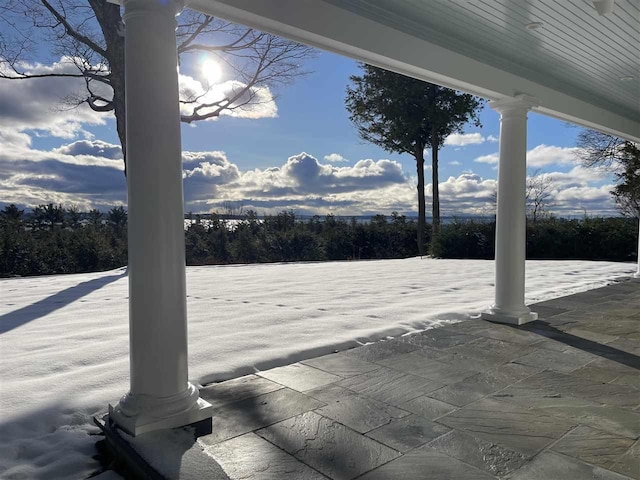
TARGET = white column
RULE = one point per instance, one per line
(161, 395)
(509, 304)
(637, 274)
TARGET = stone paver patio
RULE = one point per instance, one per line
(558, 398)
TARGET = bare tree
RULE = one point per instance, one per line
(597, 149)
(618, 156)
(539, 193)
(232, 209)
(90, 35)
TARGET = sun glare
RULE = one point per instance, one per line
(211, 71)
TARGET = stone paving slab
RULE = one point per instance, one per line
(428, 407)
(507, 334)
(424, 462)
(407, 433)
(607, 394)
(328, 446)
(300, 377)
(431, 369)
(250, 414)
(462, 360)
(629, 463)
(625, 345)
(522, 429)
(237, 389)
(375, 352)
(614, 365)
(488, 456)
(253, 458)
(482, 384)
(630, 380)
(549, 465)
(490, 350)
(565, 361)
(595, 374)
(558, 398)
(612, 419)
(593, 446)
(391, 386)
(341, 365)
(353, 410)
(438, 338)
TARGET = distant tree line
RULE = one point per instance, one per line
(287, 238)
(53, 239)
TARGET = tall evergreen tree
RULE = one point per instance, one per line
(405, 115)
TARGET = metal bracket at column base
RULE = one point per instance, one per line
(513, 319)
(136, 425)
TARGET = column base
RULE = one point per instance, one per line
(521, 318)
(143, 423)
(636, 275)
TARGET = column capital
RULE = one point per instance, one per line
(518, 105)
(133, 8)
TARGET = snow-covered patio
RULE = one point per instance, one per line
(64, 339)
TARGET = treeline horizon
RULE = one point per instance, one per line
(54, 239)
(239, 212)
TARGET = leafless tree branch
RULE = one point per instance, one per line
(89, 33)
(72, 32)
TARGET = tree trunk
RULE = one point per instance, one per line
(121, 123)
(112, 26)
(435, 187)
(419, 156)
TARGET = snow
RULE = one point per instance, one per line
(64, 338)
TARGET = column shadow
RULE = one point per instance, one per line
(158, 455)
(249, 416)
(547, 330)
(43, 307)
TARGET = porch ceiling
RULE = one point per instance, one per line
(573, 64)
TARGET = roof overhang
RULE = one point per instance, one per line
(331, 27)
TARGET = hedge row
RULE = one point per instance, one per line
(47, 247)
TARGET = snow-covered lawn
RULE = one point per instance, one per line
(64, 338)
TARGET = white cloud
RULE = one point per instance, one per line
(335, 158)
(544, 155)
(204, 172)
(88, 173)
(463, 139)
(39, 104)
(490, 159)
(569, 197)
(579, 176)
(43, 104)
(258, 101)
(468, 193)
(455, 163)
(541, 156)
(96, 148)
(581, 189)
(305, 184)
(493, 138)
(303, 174)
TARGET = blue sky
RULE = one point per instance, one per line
(301, 153)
